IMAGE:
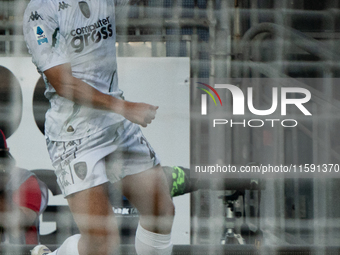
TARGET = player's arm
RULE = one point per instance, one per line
(49, 53)
(19, 216)
(76, 90)
(27, 216)
(19, 212)
(27, 202)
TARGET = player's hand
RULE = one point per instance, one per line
(139, 113)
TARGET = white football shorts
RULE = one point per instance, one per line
(108, 155)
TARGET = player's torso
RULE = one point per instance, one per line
(89, 30)
(86, 25)
(86, 31)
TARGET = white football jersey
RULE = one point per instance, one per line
(81, 33)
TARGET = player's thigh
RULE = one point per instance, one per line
(148, 191)
(93, 212)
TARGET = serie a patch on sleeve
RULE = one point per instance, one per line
(39, 32)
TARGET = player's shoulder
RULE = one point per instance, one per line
(42, 6)
(38, 11)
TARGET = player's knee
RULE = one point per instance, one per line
(171, 210)
(166, 208)
(106, 246)
(102, 242)
(167, 218)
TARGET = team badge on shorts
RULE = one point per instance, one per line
(81, 170)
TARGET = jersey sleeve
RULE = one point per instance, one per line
(41, 33)
(28, 195)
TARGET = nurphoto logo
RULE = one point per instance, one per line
(239, 99)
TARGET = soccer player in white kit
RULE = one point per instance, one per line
(92, 133)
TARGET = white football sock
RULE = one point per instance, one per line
(149, 243)
(69, 246)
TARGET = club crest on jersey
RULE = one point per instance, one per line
(85, 9)
(40, 34)
(80, 169)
